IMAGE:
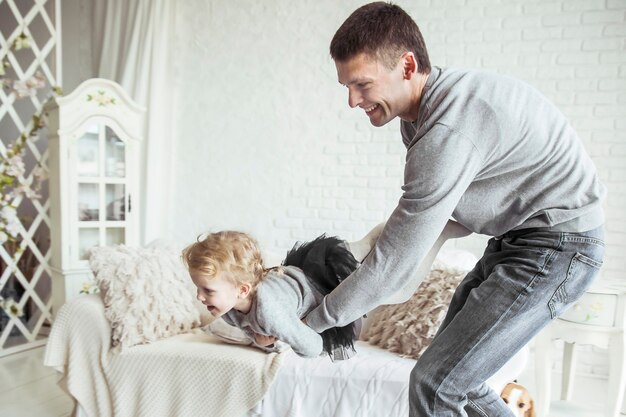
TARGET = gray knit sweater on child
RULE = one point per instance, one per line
(489, 151)
(280, 302)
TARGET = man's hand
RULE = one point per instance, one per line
(263, 340)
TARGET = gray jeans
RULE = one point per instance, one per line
(523, 281)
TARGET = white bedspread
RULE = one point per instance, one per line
(186, 375)
(197, 375)
(373, 383)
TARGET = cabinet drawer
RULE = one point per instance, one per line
(593, 309)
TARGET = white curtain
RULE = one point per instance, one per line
(131, 42)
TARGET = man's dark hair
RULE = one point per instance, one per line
(381, 30)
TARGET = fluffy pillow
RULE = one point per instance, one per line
(408, 328)
(147, 293)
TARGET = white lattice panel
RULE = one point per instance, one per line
(25, 275)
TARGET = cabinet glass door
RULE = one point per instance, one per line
(115, 198)
(115, 236)
(87, 239)
(88, 147)
(88, 202)
(101, 187)
(115, 161)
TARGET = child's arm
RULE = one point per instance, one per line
(266, 343)
(277, 315)
(263, 340)
(290, 329)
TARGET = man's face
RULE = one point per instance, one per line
(382, 93)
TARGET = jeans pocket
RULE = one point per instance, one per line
(580, 274)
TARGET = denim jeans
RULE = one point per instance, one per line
(524, 280)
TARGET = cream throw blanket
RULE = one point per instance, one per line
(191, 374)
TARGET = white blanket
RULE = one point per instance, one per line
(187, 375)
(373, 383)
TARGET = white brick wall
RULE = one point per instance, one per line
(266, 142)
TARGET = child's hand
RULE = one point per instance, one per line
(263, 340)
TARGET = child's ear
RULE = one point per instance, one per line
(245, 289)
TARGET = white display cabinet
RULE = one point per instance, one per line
(95, 136)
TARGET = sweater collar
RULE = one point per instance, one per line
(426, 92)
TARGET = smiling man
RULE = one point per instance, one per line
(494, 154)
(381, 91)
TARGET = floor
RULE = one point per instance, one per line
(28, 389)
(588, 397)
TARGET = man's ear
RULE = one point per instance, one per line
(245, 289)
(409, 65)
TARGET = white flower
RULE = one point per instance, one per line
(25, 181)
(25, 189)
(88, 288)
(15, 166)
(12, 308)
(40, 173)
(101, 98)
(23, 90)
(8, 213)
(29, 87)
(3, 238)
(13, 227)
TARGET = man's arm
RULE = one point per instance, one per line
(439, 168)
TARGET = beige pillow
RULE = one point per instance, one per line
(147, 293)
(408, 328)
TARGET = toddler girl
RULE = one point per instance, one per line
(268, 304)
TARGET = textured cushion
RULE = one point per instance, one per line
(147, 293)
(408, 328)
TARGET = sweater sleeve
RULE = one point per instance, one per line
(278, 302)
(277, 315)
(439, 168)
(302, 339)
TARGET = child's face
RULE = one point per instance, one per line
(219, 294)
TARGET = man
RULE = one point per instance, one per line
(494, 154)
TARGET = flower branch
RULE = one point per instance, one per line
(13, 184)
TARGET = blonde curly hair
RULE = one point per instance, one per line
(236, 254)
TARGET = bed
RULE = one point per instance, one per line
(198, 374)
(164, 378)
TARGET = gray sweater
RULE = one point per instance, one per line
(487, 150)
(280, 302)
